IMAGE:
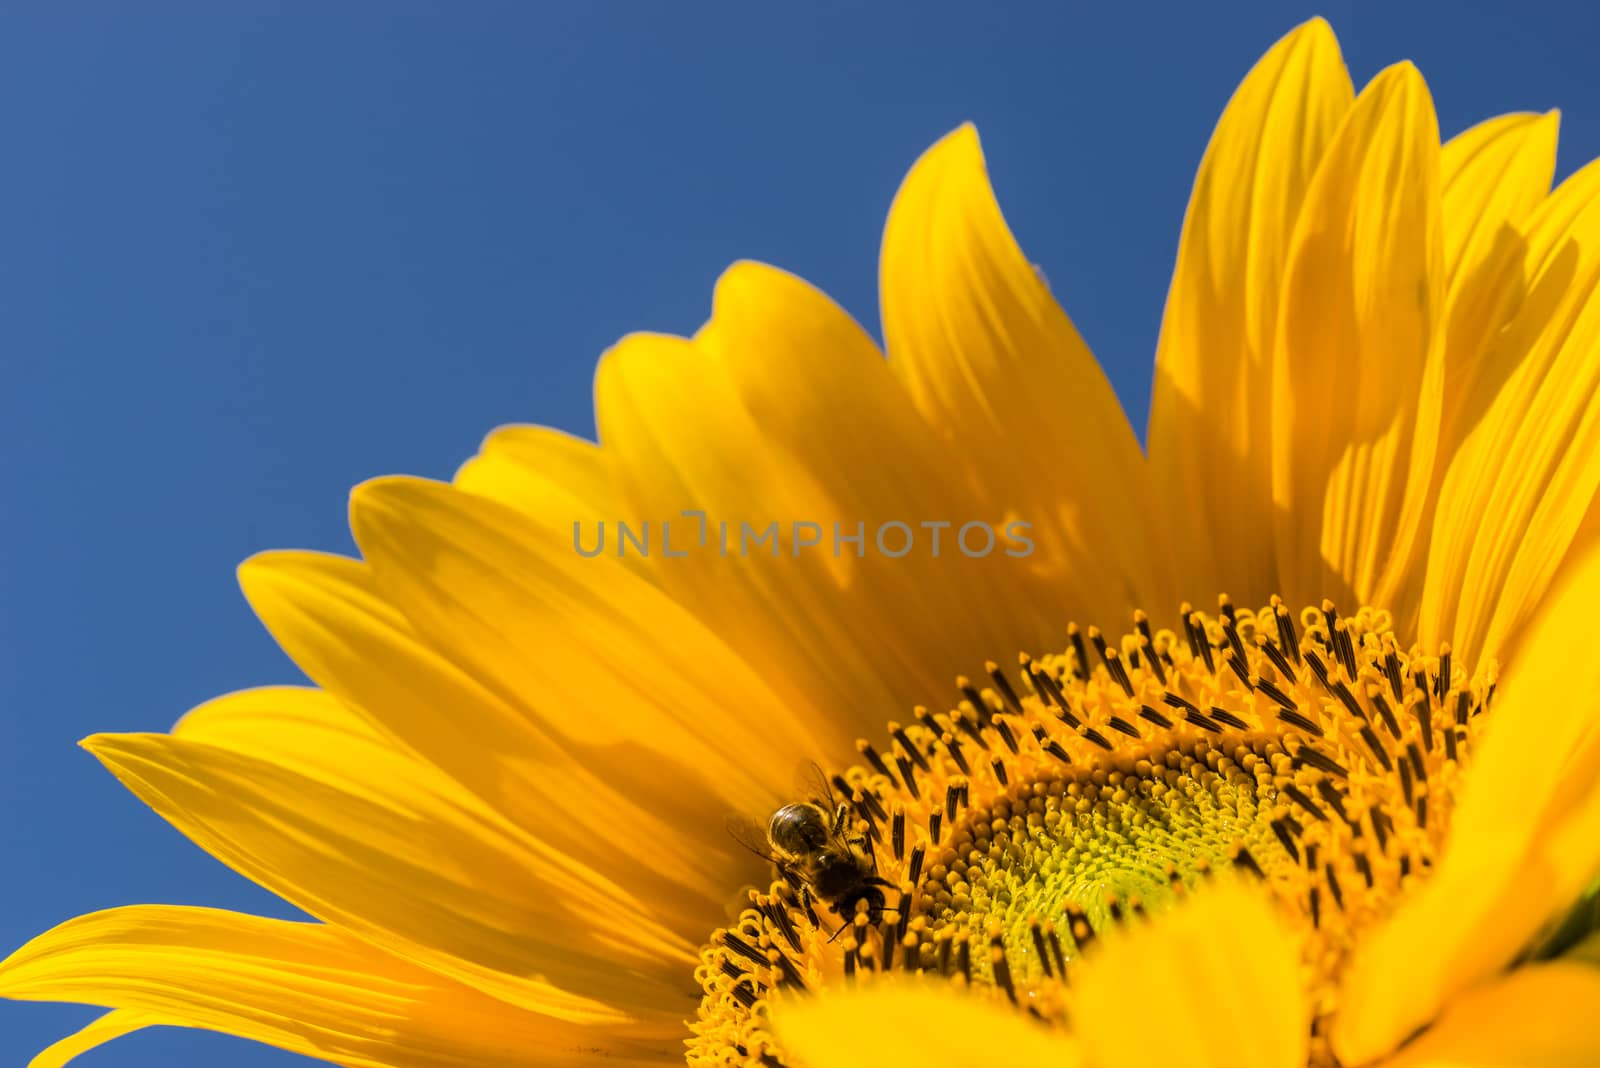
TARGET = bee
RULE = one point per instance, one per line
(814, 847)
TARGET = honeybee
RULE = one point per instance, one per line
(814, 846)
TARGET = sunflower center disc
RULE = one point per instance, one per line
(1093, 786)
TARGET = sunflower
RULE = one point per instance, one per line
(1307, 823)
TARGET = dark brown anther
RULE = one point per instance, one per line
(918, 853)
(874, 758)
(913, 954)
(1053, 693)
(1463, 707)
(998, 766)
(1057, 750)
(1298, 796)
(1151, 715)
(1422, 811)
(1122, 726)
(1003, 729)
(1330, 793)
(944, 942)
(1288, 638)
(1348, 699)
(1199, 642)
(1364, 866)
(1096, 737)
(1276, 695)
(1241, 671)
(952, 745)
(1386, 713)
(897, 832)
(964, 956)
(1002, 686)
(912, 750)
(791, 974)
(908, 775)
(971, 729)
(1406, 789)
(935, 825)
(1242, 858)
(1318, 668)
(1201, 720)
(1078, 926)
(1295, 719)
(887, 937)
(732, 941)
(1222, 715)
(1040, 949)
(1344, 648)
(1424, 716)
(1378, 751)
(1225, 606)
(1321, 761)
(1281, 830)
(781, 922)
(1098, 640)
(743, 993)
(975, 699)
(1391, 671)
(1443, 681)
(870, 805)
(850, 962)
(952, 798)
(1081, 651)
(928, 720)
(1055, 950)
(1272, 652)
(1333, 885)
(1449, 743)
(1119, 674)
(1380, 826)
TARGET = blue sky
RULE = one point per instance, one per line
(249, 259)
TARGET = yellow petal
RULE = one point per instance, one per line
(1217, 977)
(327, 614)
(899, 1024)
(1493, 175)
(1514, 498)
(999, 371)
(1524, 838)
(1210, 414)
(103, 1029)
(508, 598)
(1539, 1016)
(1356, 384)
(682, 442)
(354, 832)
(302, 987)
(538, 469)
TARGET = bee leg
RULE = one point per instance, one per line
(839, 815)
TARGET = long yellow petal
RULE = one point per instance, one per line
(1524, 838)
(1493, 176)
(1210, 412)
(1356, 381)
(999, 371)
(1217, 976)
(1540, 1016)
(1514, 498)
(103, 1029)
(302, 987)
(896, 1024)
(682, 441)
(356, 833)
(508, 598)
(328, 615)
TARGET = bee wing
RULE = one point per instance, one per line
(744, 830)
(811, 783)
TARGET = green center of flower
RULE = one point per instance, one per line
(993, 843)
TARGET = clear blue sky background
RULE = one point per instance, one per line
(250, 259)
